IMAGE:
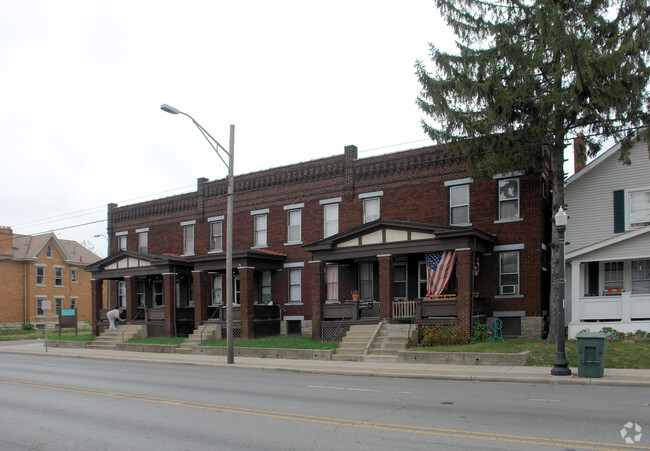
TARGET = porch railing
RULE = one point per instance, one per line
(404, 309)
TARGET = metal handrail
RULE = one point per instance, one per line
(128, 324)
(340, 322)
(207, 322)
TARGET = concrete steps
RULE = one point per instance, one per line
(110, 338)
(205, 332)
(354, 343)
(390, 339)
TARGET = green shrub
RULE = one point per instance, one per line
(480, 333)
(28, 326)
(612, 334)
(640, 335)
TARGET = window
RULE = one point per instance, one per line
(142, 296)
(236, 288)
(370, 209)
(121, 241)
(188, 239)
(217, 290)
(158, 297)
(330, 219)
(399, 281)
(58, 277)
(58, 305)
(509, 198)
(143, 242)
(295, 285)
(639, 208)
(48, 251)
(73, 303)
(39, 307)
(216, 236)
(40, 275)
(259, 230)
(640, 276)
(121, 294)
(365, 281)
(422, 279)
(266, 287)
(614, 277)
(332, 276)
(459, 204)
(73, 275)
(509, 273)
(294, 226)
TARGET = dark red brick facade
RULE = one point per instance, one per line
(412, 189)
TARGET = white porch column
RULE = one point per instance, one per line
(574, 323)
(626, 307)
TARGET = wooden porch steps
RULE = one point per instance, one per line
(205, 332)
(109, 338)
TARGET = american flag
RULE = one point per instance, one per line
(439, 268)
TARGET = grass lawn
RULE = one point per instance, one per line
(66, 334)
(159, 340)
(617, 353)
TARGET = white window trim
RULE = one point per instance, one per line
(210, 221)
(188, 223)
(146, 229)
(628, 205)
(216, 218)
(183, 226)
(62, 268)
(294, 207)
(519, 216)
(332, 200)
(465, 181)
(293, 265)
(508, 175)
(509, 247)
(36, 276)
(263, 211)
(451, 207)
(122, 233)
(289, 211)
(372, 194)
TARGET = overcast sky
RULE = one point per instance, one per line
(82, 82)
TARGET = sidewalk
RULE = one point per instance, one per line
(486, 373)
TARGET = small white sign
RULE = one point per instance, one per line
(46, 305)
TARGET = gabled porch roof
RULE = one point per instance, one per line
(385, 236)
(128, 263)
(258, 258)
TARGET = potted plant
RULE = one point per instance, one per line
(355, 295)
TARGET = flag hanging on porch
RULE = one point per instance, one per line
(439, 268)
(477, 267)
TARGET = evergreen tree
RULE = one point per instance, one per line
(533, 73)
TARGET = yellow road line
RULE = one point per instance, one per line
(528, 440)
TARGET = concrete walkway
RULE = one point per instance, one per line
(530, 374)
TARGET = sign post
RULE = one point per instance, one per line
(46, 305)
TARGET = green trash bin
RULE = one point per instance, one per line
(591, 354)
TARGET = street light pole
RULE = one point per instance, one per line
(231, 190)
(561, 366)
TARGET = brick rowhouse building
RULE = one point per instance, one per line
(306, 235)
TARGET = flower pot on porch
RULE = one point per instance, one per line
(355, 297)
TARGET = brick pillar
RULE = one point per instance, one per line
(201, 288)
(131, 297)
(169, 296)
(385, 287)
(246, 299)
(112, 291)
(317, 294)
(464, 270)
(96, 295)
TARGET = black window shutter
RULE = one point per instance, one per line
(619, 211)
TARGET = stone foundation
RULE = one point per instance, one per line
(532, 327)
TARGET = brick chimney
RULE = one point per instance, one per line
(579, 153)
(6, 241)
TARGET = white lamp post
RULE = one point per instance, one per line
(231, 188)
(561, 366)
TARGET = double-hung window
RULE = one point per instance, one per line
(371, 205)
(216, 234)
(217, 290)
(330, 216)
(399, 281)
(143, 240)
(58, 305)
(39, 307)
(366, 280)
(58, 276)
(266, 287)
(640, 276)
(509, 198)
(332, 276)
(294, 282)
(188, 237)
(639, 212)
(509, 273)
(121, 294)
(294, 223)
(459, 201)
(158, 296)
(73, 275)
(260, 227)
(121, 240)
(40, 275)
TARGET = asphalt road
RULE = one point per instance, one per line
(56, 403)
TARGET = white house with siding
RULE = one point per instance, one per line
(608, 243)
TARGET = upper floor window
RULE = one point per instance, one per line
(73, 275)
(509, 198)
(48, 251)
(371, 205)
(459, 204)
(294, 226)
(121, 241)
(143, 241)
(216, 234)
(40, 275)
(330, 219)
(260, 228)
(509, 273)
(58, 277)
(188, 237)
(639, 208)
